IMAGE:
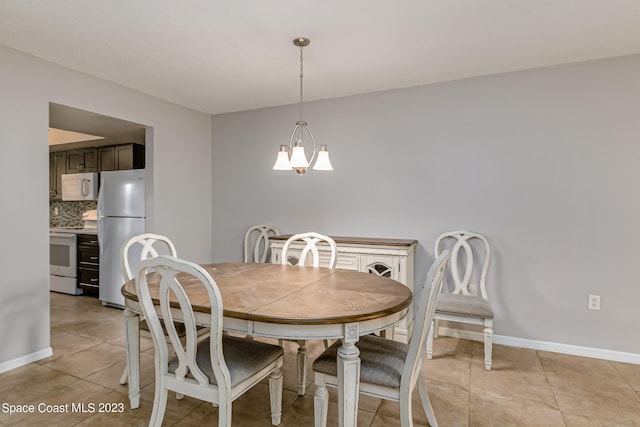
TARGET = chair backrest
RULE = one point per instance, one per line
(261, 245)
(423, 320)
(463, 266)
(311, 239)
(151, 243)
(168, 268)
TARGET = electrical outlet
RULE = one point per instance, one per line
(594, 302)
(55, 210)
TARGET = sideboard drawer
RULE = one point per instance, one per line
(345, 261)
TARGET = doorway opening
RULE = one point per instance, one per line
(87, 146)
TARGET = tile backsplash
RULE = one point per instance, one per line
(69, 213)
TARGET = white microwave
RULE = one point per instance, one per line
(80, 186)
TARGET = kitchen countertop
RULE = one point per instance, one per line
(73, 230)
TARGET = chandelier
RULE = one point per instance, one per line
(293, 157)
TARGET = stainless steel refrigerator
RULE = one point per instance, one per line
(121, 215)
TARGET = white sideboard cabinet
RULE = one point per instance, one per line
(393, 258)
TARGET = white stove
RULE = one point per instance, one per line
(63, 274)
(62, 261)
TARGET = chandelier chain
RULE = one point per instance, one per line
(301, 76)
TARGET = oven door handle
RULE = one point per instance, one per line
(63, 235)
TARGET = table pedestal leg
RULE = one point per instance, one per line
(132, 346)
(348, 384)
(302, 367)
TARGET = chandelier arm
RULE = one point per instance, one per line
(293, 134)
(314, 151)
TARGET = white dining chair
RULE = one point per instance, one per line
(388, 369)
(217, 369)
(467, 302)
(311, 240)
(150, 245)
(257, 238)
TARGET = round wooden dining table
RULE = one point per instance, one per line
(287, 302)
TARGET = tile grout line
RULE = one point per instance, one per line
(553, 391)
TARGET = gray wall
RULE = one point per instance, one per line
(179, 182)
(544, 162)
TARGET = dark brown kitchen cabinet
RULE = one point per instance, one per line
(83, 160)
(88, 264)
(57, 167)
(106, 158)
(121, 157)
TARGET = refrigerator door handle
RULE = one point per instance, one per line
(100, 219)
(100, 234)
(100, 195)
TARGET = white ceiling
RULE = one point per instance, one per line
(112, 131)
(60, 136)
(220, 56)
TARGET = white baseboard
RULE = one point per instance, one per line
(575, 350)
(25, 360)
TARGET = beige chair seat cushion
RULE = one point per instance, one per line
(463, 305)
(382, 360)
(244, 358)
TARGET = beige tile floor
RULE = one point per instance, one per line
(525, 387)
